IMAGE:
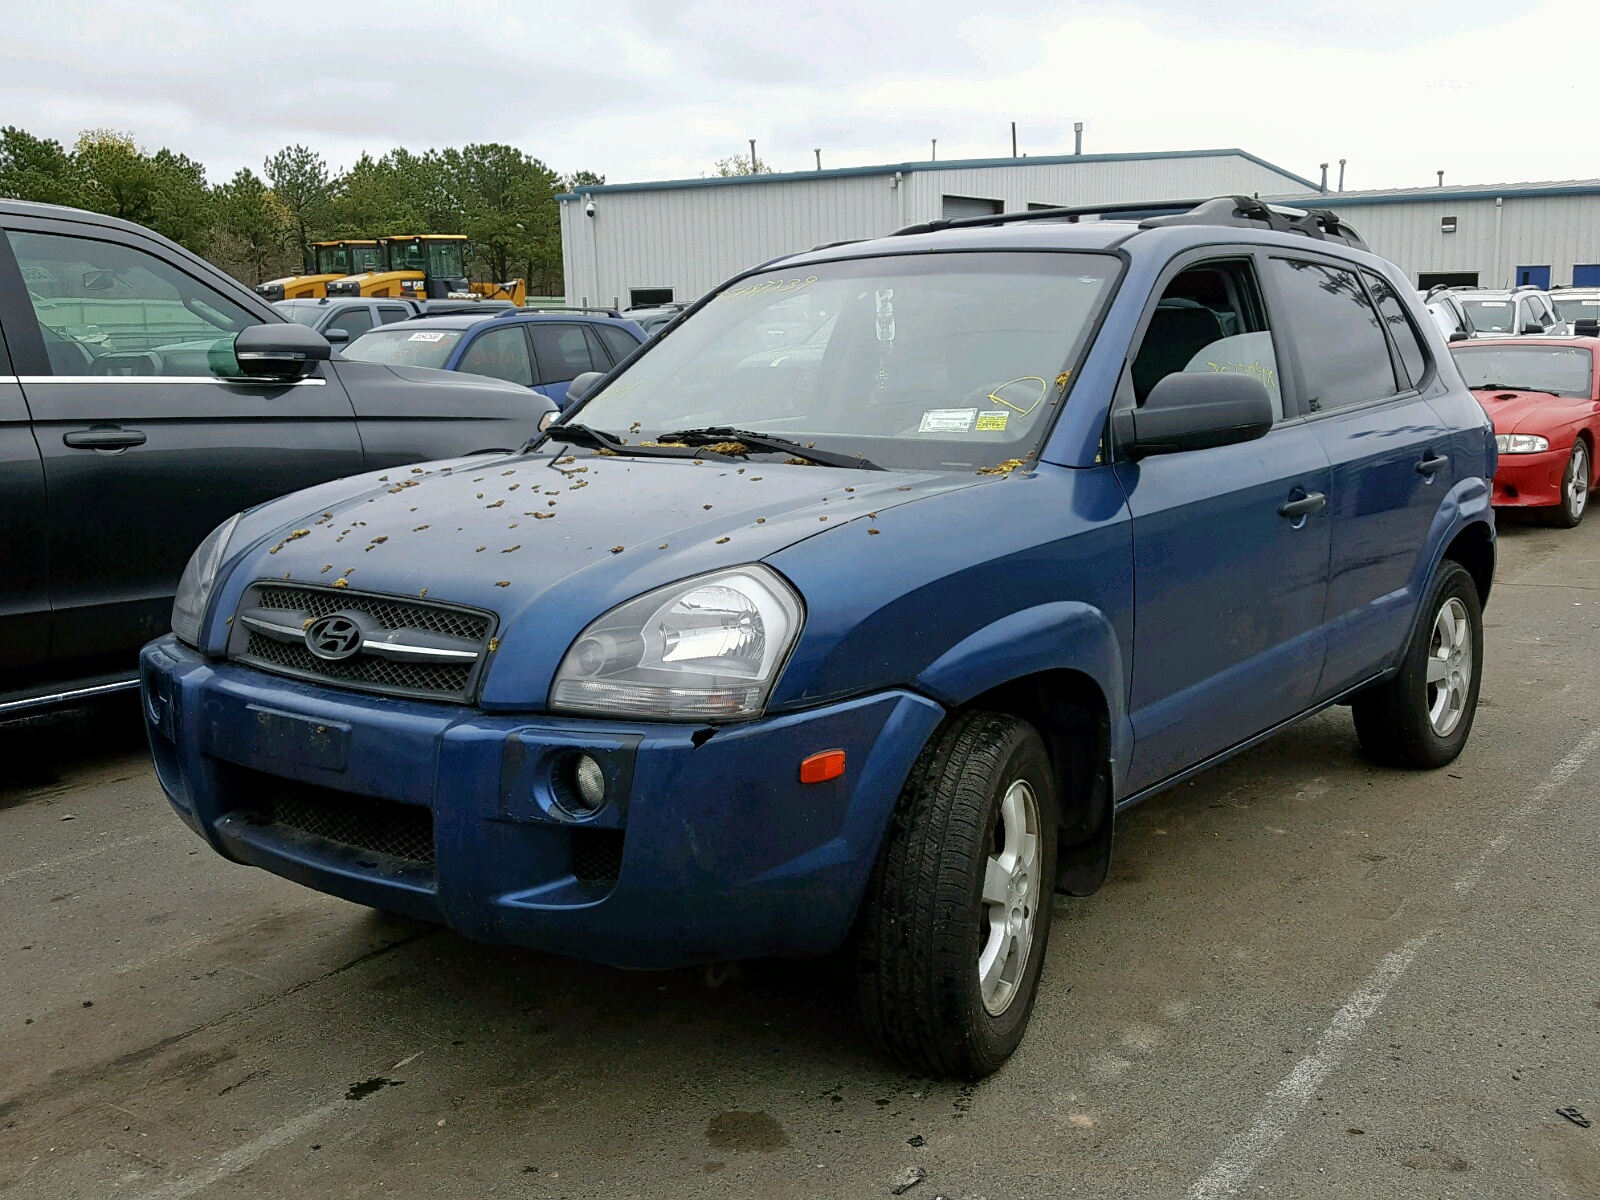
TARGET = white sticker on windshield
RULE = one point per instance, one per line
(424, 336)
(948, 420)
(1494, 303)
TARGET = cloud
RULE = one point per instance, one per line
(663, 88)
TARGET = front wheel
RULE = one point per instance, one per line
(953, 930)
(1422, 715)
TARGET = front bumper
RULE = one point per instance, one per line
(709, 848)
(1530, 480)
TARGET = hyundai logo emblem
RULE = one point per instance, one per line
(333, 638)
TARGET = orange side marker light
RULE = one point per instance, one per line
(821, 767)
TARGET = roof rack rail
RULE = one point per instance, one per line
(1246, 211)
(561, 308)
(1528, 287)
(1321, 223)
(1069, 215)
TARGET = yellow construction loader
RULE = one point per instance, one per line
(328, 261)
(426, 266)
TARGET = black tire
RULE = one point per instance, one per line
(924, 919)
(1393, 719)
(1574, 501)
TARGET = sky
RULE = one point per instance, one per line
(661, 89)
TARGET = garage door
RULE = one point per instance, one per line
(970, 206)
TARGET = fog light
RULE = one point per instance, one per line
(579, 785)
(591, 782)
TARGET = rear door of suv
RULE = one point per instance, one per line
(144, 449)
(1358, 366)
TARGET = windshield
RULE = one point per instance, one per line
(930, 361)
(365, 258)
(1561, 370)
(444, 260)
(1492, 316)
(407, 256)
(1577, 310)
(332, 260)
(405, 347)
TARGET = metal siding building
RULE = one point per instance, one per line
(690, 235)
(1498, 228)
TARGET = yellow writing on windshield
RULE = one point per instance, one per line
(769, 287)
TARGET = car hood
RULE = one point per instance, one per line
(1529, 412)
(550, 543)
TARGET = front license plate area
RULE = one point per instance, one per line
(287, 737)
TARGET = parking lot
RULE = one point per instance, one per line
(1308, 977)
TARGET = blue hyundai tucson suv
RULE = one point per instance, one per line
(861, 640)
(543, 349)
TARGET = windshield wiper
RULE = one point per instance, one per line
(711, 435)
(1514, 387)
(599, 439)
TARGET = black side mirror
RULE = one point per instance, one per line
(583, 385)
(1586, 327)
(1195, 412)
(282, 353)
(1532, 329)
(1460, 335)
(336, 336)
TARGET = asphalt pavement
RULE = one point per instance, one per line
(1307, 977)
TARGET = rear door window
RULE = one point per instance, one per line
(1337, 337)
(1403, 333)
(389, 313)
(500, 354)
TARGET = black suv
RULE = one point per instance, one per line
(145, 396)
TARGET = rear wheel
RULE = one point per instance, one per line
(953, 930)
(1422, 715)
(1574, 488)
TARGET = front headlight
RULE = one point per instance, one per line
(194, 588)
(1520, 443)
(705, 649)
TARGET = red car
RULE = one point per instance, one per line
(1544, 398)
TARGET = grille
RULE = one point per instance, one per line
(597, 855)
(451, 681)
(429, 678)
(386, 827)
(391, 614)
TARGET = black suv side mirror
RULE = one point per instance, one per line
(583, 385)
(1460, 335)
(280, 352)
(1586, 327)
(336, 336)
(1532, 328)
(1195, 412)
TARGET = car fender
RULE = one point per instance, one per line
(1064, 635)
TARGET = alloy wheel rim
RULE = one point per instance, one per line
(1449, 675)
(1010, 910)
(1578, 480)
